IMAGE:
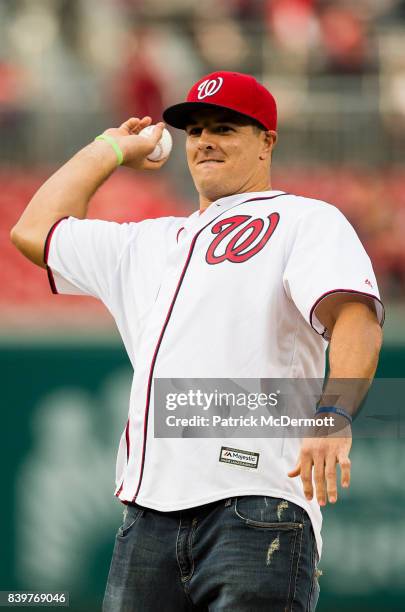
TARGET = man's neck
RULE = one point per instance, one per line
(205, 202)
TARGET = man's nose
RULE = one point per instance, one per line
(206, 140)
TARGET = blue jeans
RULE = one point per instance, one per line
(242, 554)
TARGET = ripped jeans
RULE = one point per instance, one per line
(243, 554)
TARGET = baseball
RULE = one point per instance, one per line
(163, 147)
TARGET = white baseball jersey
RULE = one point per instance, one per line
(229, 293)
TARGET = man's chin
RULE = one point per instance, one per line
(214, 192)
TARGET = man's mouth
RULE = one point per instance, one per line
(215, 161)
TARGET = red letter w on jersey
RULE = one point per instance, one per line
(239, 246)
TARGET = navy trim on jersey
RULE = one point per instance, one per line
(46, 254)
(178, 233)
(264, 198)
(128, 447)
(354, 291)
(159, 342)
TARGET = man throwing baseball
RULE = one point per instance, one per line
(254, 285)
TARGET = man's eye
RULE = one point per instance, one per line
(194, 131)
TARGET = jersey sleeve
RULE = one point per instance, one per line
(82, 255)
(325, 256)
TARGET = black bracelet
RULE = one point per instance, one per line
(336, 410)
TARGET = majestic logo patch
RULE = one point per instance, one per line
(209, 87)
(239, 457)
(239, 246)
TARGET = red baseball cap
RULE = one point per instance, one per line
(233, 90)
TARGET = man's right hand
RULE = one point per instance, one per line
(135, 149)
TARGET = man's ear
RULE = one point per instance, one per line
(269, 142)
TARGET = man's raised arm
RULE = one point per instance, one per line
(69, 190)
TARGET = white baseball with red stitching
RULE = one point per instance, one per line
(163, 147)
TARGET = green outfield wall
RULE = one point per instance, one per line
(63, 410)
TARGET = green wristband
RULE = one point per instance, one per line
(114, 144)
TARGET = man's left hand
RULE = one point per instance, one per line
(324, 454)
